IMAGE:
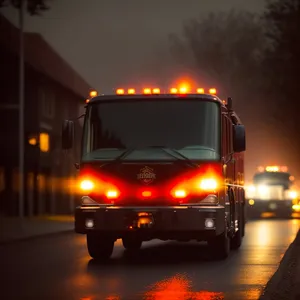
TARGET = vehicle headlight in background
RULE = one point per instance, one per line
(251, 188)
(293, 194)
(262, 189)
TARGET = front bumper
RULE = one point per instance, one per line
(272, 206)
(167, 221)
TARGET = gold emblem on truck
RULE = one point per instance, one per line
(146, 175)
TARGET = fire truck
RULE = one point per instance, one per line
(155, 165)
(272, 191)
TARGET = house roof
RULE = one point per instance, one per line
(42, 57)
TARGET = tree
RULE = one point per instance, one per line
(34, 7)
(282, 65)
(226, 49)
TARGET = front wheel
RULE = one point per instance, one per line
(236, 240)
(99, 247)
(131, 243)
(220, 246)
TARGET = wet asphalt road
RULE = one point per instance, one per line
(60, 268)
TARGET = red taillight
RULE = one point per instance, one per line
(208, 179)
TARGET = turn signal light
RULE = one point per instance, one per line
(99, 187)
(179, 194)
(205, 181)
(147, 91)
(209, 184)
(112, 194)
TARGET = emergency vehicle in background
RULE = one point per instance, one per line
(160, 166)
(272, 190)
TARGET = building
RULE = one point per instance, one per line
(53, 92)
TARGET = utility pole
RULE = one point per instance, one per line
(21, 109)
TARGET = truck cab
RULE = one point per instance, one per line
(159, 166)
(272, 191)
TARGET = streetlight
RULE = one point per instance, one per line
(21, 109)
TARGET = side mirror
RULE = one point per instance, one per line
(229, 104)
(67, 134)
(239, 138)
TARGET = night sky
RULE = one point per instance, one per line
(113, 43)
(117, 43)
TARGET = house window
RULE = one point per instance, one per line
(47, 100)
(44, 142)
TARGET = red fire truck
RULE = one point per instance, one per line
(160, 166)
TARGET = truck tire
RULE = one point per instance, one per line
(99, 247)
(236, 240)
(131, 243)
(220, 246)
(244, 221)
(243, 224)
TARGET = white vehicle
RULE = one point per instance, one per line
(272, 190)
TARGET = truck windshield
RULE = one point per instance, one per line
(188, 125)
(272, 178)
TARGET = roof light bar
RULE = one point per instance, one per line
(200, 91)
(93, 93)
(213, 91)
(120, 91)
(149, 91)
(131, 91)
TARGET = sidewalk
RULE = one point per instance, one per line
(13, 229)
(296, 285)
(285, 283)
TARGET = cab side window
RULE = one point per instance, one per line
(227, 136)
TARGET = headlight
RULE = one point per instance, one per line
(87, 185)
(209, 184)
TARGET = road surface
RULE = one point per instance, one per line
(60, 268)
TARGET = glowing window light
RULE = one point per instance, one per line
(44, 142)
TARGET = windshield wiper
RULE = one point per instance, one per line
(175, 153)
(124, 154)
(170, 151)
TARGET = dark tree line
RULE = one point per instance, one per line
(282, 61)
(34, 7)
(256, 59)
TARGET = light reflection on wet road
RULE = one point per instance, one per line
(60, 268)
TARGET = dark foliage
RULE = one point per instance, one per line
(282, 65)
(34, 7)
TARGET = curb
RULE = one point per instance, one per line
(34, 237)
(281, 284)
